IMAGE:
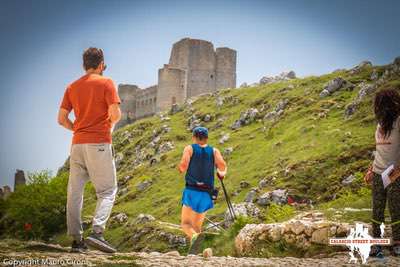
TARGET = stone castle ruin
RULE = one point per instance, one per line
(194, 68)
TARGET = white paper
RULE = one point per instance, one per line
(385, 176)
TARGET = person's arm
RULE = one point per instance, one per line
(220, 164)
(113, 101)
(184, 164)
(114, 114)
(65, 109)
(64, 120)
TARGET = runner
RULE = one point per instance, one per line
(198, 161)
(387, 136)
(95, 103)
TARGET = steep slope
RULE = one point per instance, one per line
(286, 134)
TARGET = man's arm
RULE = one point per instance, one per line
(184, 164)
(64, 120)
(114, 114)
(220, 163)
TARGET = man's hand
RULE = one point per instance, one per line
(221, 177)
(64, 120)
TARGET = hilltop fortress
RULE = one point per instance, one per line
(194, 68)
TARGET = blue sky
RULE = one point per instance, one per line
(42, 43)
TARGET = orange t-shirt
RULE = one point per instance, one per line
(89, 97)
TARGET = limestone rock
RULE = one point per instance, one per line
(224, 138)
(144, 185)
(228, 151)
(144, 218)
(263, 200)
(284, 76)
(360, 66)
(348, 180)
(119, 218)
(335, 85)
(207, 253)
(245, 209)
(244, 184)
(246, 118)
(320, 236)
(250, 196)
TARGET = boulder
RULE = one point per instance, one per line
(251, 195)
(360, 67)
(144, 218)
(165, 147)
(348, 180)
(284, 76)
(245, 209)
(335, 85)
(207, 253)
(228, 151)
(207, 118)
(320, 236)
(263, 183)
(244, 184)
(119, 218)
(246, 117)
(144, 185)
(263, 200)
(224, 138)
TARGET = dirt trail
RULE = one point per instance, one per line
(39, 254)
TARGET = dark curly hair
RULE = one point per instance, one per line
(387, 109)
(92, 57)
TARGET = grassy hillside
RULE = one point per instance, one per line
(310, 149)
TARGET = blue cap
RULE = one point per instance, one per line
(200, 131)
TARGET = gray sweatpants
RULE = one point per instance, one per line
(94, 162)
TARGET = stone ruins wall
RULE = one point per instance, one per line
(171, 87)
(146, 102)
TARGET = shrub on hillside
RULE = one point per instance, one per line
(37, 209)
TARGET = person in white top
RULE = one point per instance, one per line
(387, 138)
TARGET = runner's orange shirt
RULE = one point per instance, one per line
(89, 97)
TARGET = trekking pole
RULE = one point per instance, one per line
(228, 202)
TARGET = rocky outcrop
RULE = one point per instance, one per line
(246, 118)
(284, 76)
(278, 111)
(335, 85)
(362, 65)
(366, 89)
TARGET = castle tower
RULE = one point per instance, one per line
(6, 191)
(171, 87)
(19, 178)
(225, 68)
(197, 58)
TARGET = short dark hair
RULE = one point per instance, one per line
(92, 57)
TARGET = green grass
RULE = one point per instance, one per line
(312, 139)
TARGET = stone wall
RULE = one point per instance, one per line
(146, 102)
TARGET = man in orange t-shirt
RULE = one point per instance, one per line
(95, 102)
